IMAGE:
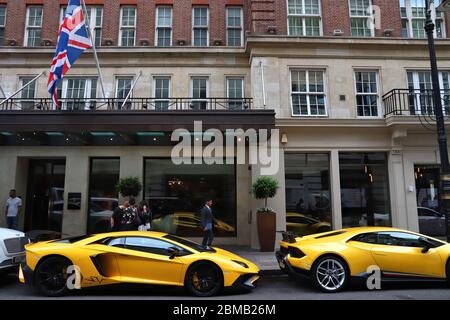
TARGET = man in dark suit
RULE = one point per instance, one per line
(207, 223)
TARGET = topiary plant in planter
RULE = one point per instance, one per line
(129, 186)
(265, 188)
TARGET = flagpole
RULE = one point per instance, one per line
(131, 90)
(94, 49)
(23, 87)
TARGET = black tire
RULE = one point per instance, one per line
(51, 276)
(204, 279)
(330, 274)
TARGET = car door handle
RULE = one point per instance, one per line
(380, 254)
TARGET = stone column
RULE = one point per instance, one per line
(335, 181)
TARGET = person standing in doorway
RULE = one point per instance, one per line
(117, 216)
(13, 208)
(207, 224)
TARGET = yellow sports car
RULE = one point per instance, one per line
(57, 266)
(334, 258)
(300, 224)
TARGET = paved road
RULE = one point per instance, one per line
(269, 288)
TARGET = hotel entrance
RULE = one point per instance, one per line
(45, 194)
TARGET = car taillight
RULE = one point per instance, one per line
(296, 252)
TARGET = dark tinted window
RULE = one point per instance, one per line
(399, 239)
(150, 245)
(366, 238)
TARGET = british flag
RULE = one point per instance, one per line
(73, 40)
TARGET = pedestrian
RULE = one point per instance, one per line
(207, 224)
(13, 208)
(118, 216)
(145, 216)
(130, 220)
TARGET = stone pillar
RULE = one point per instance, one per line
(398, 190)
(335, 181)
(8, 165)
(76, 180)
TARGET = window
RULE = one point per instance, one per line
(235, 92)
(164, 26)
(150, 245)
(127, 36)
(33, 26)
(78, 92)
(2, 24)
(234, 27)
(413, 15)
(28, 94)
(361, 18)
(161, 92)
(123, 88)
(399, 239)
(95, 21)
(371, 238)
(367, 93)
(308, 202)
(308, 93)
(199, 90)
(421, 100)
(177, 191)
(365, 196)
(304, 18)
(103, 196)
(200, 22)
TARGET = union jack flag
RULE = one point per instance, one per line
(73, 40)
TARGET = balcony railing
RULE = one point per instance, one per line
(412, 102)
(132, 104)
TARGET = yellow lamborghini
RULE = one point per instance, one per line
(55, 267)
(333, 259)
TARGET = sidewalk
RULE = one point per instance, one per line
(266, 261)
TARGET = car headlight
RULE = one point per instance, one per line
(242, 264)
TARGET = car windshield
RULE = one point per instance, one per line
(188, 243)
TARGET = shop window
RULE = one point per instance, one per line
(364, 189)
(103, 196)
(308, 202)
(176, 193)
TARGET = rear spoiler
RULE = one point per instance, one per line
(289, 237)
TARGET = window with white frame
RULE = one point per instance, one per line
(199, 93)
(421, 97)
(2, 24)
(163, 26)
(308, 93)
(235, 27)
(304, 18)
(235, 92)
(367, 93)
(33, 26)
(127, 37)
(413, 15)
(200, 23)
(123, 88)
(361, 18)
(79, 93)
(95, 21)
(161, 92)
(28, 94)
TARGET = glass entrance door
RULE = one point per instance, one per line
(431, 218)
(45, 190)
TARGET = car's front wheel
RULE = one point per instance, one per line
(51, 276)
(204, 279)
(330, 274)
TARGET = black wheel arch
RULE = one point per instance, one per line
(192, 265)
(44, 258)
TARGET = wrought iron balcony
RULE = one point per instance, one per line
(414, 102)
(132, 104)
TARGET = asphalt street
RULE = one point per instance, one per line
(269, 288)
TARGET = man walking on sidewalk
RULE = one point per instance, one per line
(207, 224)
(13, 207)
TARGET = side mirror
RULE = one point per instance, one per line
(427, 245)
(174, 252)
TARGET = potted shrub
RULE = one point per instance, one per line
(265, 188)
(129, 186)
